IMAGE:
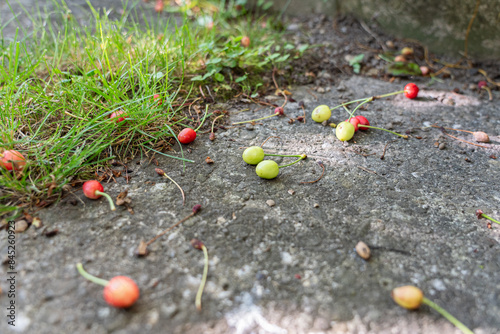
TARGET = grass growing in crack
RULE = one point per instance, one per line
(60, 83)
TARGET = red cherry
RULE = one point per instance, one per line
(90, 187)
(411, 90)
(159, 6)
(354, 121)
(279, 111)
(157, 97)
(245, 42)
(362, 121)
(12, 159)
(186, 136)
(121, 291)
(482, 84)
(118, 114)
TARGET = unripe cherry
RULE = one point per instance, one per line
(408, 296)
(344, 131)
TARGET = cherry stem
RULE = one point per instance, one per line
(346, 103)
(203, 279)
(351, 113)
(374, 127)
(489, 92)
(439, 127)
(178, 186)
(368, 99)
(213, 123)
(203, 120)
(448, 316)
(91, 278)
(488, 217)
(283, 155)
(257, 119)
(302, 157)
(110, 200)
(389, 94)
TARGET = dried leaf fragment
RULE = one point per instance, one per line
(37, 222)
(142, 249)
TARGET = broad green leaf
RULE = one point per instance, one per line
(403, 69)
(240, 79)
(219, 77)
(356, 59)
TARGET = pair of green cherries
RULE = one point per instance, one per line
(267, 169)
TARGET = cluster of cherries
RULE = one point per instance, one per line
(345, 130)
(267, 169)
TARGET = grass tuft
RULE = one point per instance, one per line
(60, 83)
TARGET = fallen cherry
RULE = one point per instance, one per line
(245, 42)
(354, 121)
(12, 159)
(425, 70)
(411, 297)
(186, 136)
(321, 113)
(119, 114)
(411, 90)
(159, 6)
(362, 121)
(407, 51)
(344, 131)
(269, 169)
(120, 291)
(93, 189)
(157, 98)
(253, 155)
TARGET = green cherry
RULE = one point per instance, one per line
(344, 131)
(253, 155)
(267, 169)
(321, 113)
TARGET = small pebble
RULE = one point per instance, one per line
(320, 90)
(291, 191)
(270, 202)
(442, 146)
(316, 205)
(20, 226)
(249, 127)
(363, 250)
